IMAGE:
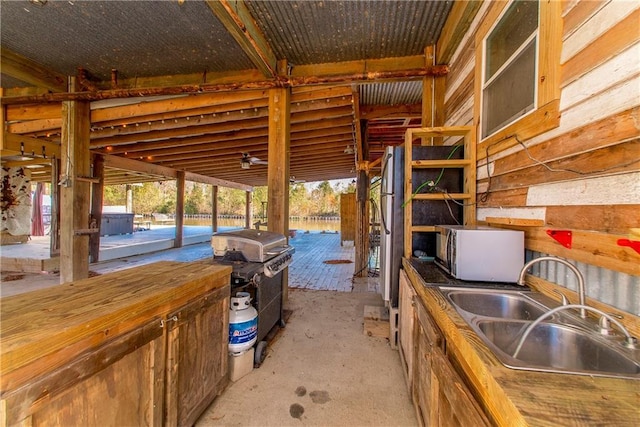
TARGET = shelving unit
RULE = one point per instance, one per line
(467, 164)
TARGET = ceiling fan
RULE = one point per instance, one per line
(293, 180)
(247, 161)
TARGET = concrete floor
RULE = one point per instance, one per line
(321, 369)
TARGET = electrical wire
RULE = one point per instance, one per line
(485, 195)
(432, 184)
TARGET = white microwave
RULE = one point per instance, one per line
(480, 253)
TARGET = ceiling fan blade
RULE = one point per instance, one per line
(257, 161)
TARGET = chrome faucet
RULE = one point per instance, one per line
(581, 291)
(629, 342)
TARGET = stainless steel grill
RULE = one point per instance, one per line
(258, 259)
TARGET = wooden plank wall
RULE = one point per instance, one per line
(584, 175)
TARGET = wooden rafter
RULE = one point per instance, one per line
(237, 19)
(31, 72)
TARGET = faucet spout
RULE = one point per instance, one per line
(581, 287)
(630, 341)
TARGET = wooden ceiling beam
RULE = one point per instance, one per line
(371, 112)
(195, 155)
(298, 130)
(181, 103)
(244, 140)
(21, 145)
(30, 72)
(307, 80)
(455, 27)
(51, 121)
(238, 21)
(153, 169)
(187, 161)
(359, 67)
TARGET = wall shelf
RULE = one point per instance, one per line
(467, 164)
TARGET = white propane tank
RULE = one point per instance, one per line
(243, 323)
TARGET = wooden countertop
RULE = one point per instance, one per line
(54, 324)
(515, 397)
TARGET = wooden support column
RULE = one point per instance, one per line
(362, 211)
(214, 208)
(427, 90)
(75, 194)
(129, 203)
(54, 232)
(428, 87)
(278, 163)
(179, 209)
(97, 197)
(247, 210)
(278, 167)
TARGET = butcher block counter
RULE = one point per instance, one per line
(509, 397)
(142, 346)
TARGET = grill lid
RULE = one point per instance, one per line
(255, 245)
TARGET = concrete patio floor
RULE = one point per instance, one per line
(321, 369)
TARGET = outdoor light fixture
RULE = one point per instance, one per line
(348, 150)
(245, 164)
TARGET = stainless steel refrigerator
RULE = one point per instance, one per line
(424, 212)
(391, 223)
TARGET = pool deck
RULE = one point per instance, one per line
(33, 256)
(309, 269)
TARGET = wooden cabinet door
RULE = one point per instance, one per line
(427, 340)
(443, 399)
(454, 405)
(406, 314)
(116, 384)
(198, 337)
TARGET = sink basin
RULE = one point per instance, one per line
(557, 348)
(494, 304)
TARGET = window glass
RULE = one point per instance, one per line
(516, 26)
(509, 86)
(513, 94)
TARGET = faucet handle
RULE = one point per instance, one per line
(605, 324)
(565, 301)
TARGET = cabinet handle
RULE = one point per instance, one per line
(171, 319)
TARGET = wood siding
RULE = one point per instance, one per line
(583, 175)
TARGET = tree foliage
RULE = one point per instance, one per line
(312, 199)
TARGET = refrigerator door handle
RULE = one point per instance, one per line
(382, 218)
(384, 193)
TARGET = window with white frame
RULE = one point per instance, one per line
(510, 56)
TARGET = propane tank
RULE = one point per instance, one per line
(243, 323)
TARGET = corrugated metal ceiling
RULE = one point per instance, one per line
(138, 38)
(311, 32)
(167, 38)
(393, 93)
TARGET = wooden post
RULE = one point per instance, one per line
(428, 85)
(75, 194)
(278, 168)
(97, 198)
(247, 210)
(278, 161)
(179, 209)
(214, 208)
(362, 213)
(129, 206)
(54, 233)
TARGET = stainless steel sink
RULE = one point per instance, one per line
(563, 343)
(494, 304)
(558, 348)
